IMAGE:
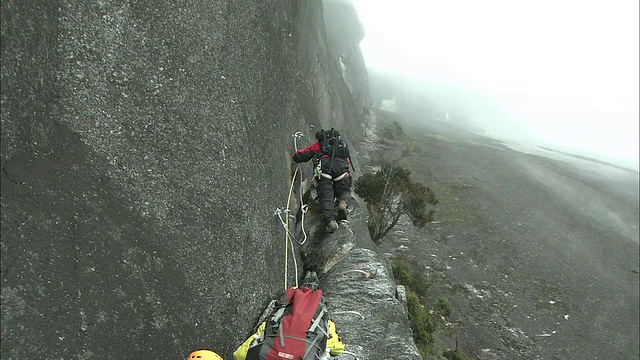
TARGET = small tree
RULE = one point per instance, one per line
(389, 194)
(393, 131)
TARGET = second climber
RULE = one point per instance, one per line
(332, 174)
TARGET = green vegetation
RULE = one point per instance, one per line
(407, 272)
(410, 148)
(389, 194)
(422, 323)
(445, 306)
(393, 131)
(402, 272)
(456, 354)
(394, 134)
(411, 274)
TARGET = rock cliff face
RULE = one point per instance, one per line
(145, 148)
(359, 288)
(345, 32)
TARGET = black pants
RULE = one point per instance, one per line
(328, 191)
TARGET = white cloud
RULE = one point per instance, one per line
(568, 70)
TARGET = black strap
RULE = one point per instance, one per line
(333, 151)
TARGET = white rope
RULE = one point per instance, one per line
(296, 136)
(287, 211)
(284, 225)
(303, 207)
(289, 237)
(348, 312)
(365, 273)
(295, 262)
(350, 353)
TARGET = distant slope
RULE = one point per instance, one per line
(538, 256)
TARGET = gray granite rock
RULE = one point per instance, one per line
(359, 288)
(145, 147)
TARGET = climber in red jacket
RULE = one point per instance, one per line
(332, 174)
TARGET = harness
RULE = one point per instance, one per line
(318, 170)
(337, 178)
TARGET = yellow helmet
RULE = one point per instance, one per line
(204, 355)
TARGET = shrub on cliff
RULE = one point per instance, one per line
(393, 131)
(390, 194)
(444, 305)
(422, 324)
(408, 272)
(411, 273)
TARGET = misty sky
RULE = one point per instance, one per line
(568, 70)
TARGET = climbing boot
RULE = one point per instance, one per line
(342, 210)
(332, 226)
(310, 281)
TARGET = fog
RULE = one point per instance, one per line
(562, 74)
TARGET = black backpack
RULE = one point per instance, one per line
(332, 144)
(279, 340)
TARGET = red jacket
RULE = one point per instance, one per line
(306, 154)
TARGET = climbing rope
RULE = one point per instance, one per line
(350, 353)
(287, 239)
(348, 312)
(303, 207)
(297, 136)
(289, 236)
(279, 212)
(295, 262)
